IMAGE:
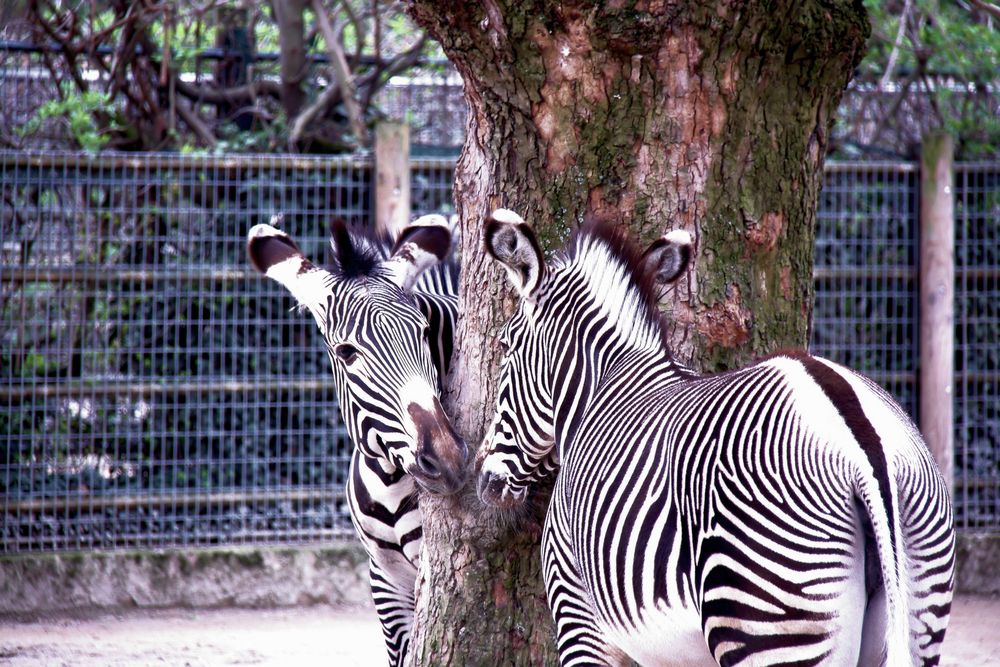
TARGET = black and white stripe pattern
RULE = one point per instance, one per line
(387, 314)
(785, 513)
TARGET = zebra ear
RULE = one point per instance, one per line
(668, 257)
(511, 242)
(423, 243)
(274, 253)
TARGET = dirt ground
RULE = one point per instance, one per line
(312, 636)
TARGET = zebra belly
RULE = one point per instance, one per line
(664, 637)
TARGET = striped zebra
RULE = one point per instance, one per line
(387, 319)
(787, 513)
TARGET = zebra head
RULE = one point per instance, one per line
(521, 443)
(377, 339)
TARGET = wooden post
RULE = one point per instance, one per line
(937, 299)
(392, 177)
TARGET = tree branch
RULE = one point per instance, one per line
(891, 64)
(341, 72)
(303, 120)
(197, 125)
(380, 75)
(988, 7)
(235, 95)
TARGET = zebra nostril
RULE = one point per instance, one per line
(490, 488)
(428, 464)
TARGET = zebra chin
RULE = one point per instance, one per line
(440, 484)
(494, 490)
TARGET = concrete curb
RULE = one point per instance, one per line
(978, 563)
(335, 574)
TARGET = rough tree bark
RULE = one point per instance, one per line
(711, 117)
(289, 15)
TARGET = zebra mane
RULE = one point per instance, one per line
(613, 266)
(357, 249)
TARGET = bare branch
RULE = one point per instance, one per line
(303, 120)
(234, 95)
(988, 7)
(197, 125)
(890, 66)
(341, 72)
(380, 75)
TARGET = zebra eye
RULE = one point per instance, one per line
(346, 353)
(427, 333)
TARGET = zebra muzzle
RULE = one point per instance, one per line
(494, 490)
(441, 455)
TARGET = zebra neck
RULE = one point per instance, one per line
(585, 375)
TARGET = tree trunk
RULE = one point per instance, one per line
(709, 118)
(290, 17)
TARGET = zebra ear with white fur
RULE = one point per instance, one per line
(275, 254)
(667, 258)
(511, 242)
(423, 243)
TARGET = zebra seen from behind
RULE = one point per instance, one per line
(386, 314)
(784, 513)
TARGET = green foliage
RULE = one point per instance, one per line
(949, 48)
(81, 112)
(178, 97)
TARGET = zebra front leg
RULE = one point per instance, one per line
(394, 607)
(578, 638)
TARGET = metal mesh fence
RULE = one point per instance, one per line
(977, 343)
(431, 181)
(156, 392)
(430, 100)
(865, 311)
(866, 305)
(25, 85)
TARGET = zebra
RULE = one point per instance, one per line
(784, 513)
(387, 318)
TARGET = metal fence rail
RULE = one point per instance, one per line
(154, 392)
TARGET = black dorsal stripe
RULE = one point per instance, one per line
(846, 401)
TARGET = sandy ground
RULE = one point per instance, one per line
(312, 636)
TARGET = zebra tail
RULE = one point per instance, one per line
(892, 565)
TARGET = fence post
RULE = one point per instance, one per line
(392, 176)
(937, 299)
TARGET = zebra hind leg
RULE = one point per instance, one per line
(394, 608)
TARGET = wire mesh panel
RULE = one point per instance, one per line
(977, 342)
(429, 98)
(431, 181)
(155, 390)
(865, 313)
